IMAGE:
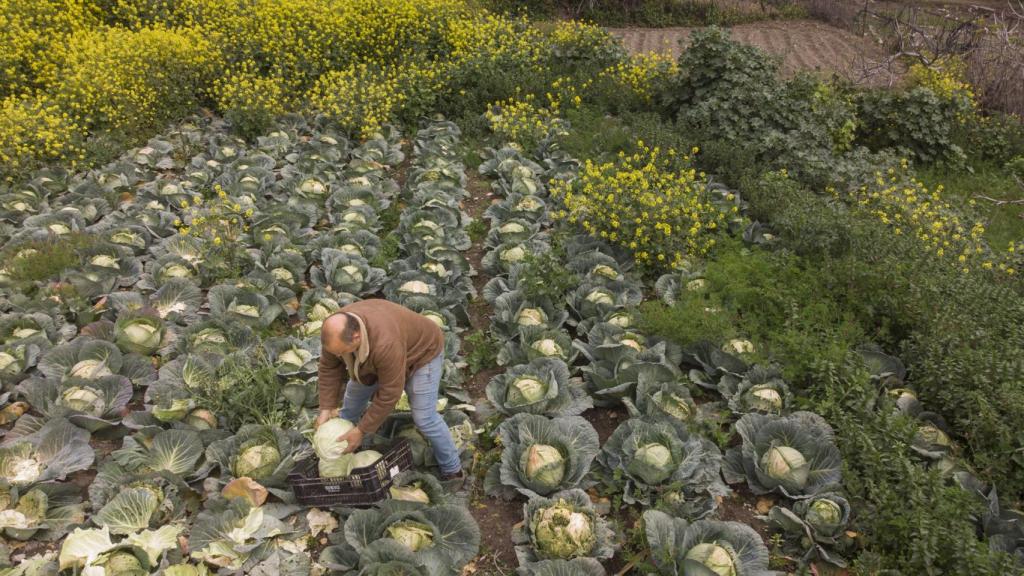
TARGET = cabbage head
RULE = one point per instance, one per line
(415, 287)
(531, 317)
(516, 253)
(544, 465)
(824, 514)
(794, 455)
(657, 461)
(335, 467)
(720, 559)
(413, 535)
(562, 527)
(547, 347)
(411, 493)
(442, 537)
(542, 455)
(139, 333)
(525, 390)
(560, 531)
(704, 547)
(325, 439)
(365, 458)
(541, 387)
(784, 463)
(257, 461)
(84, 399)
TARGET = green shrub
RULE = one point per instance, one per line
(694, 317)
(41, 260)
(247, 390)
(915, 122)
(959, 333)
(732, 93)
(911, 520)
(996, 138)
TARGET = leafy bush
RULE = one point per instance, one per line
(914, 521)
(917, 122)
(996, 137)
(732, 93)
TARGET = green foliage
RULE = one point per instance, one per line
(732, 93)
(1015, 166)
(688, 321)
(41, 260)
(994, 138)
(778, 300)
(544, 276)
(482, 352)
(916, 122)
(913, 520)
(1004, 223)
(960, 333)
(477, 230)
(803, 219)
(247, 391)
(654, 13)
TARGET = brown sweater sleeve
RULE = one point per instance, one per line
(390, 362)
(331, 373)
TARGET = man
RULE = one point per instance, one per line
(384, 348)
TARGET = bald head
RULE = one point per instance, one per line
(340, 333)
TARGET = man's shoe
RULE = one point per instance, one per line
(454, 480)
(457, 475)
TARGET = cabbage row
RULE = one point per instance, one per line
(565, 356)
(423, 530)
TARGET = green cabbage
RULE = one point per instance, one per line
(413, 535)
(716, 558)
(257, 461)
(559, 531)
(325, 439)
(525, 390)
(544, 464)
(783, 463)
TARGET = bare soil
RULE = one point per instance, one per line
(803, 45)
(495, 517)
(606, 420)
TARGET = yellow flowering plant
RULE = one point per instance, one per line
(945, 78)
(222, 224)
(640, 75)
(651, 202)
(250, 101)
(34, 131)
(521, 120)
(908, 207)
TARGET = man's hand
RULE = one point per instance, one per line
(354, 437)
(324, 416)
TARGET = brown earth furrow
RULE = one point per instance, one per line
(802, 45)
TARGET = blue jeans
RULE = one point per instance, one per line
(422, 388)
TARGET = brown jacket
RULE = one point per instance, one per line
(395, 343)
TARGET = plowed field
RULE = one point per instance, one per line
(802, 44)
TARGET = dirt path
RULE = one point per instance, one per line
(494, 516)
(802, 45)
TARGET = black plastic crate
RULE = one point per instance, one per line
(363, 487)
